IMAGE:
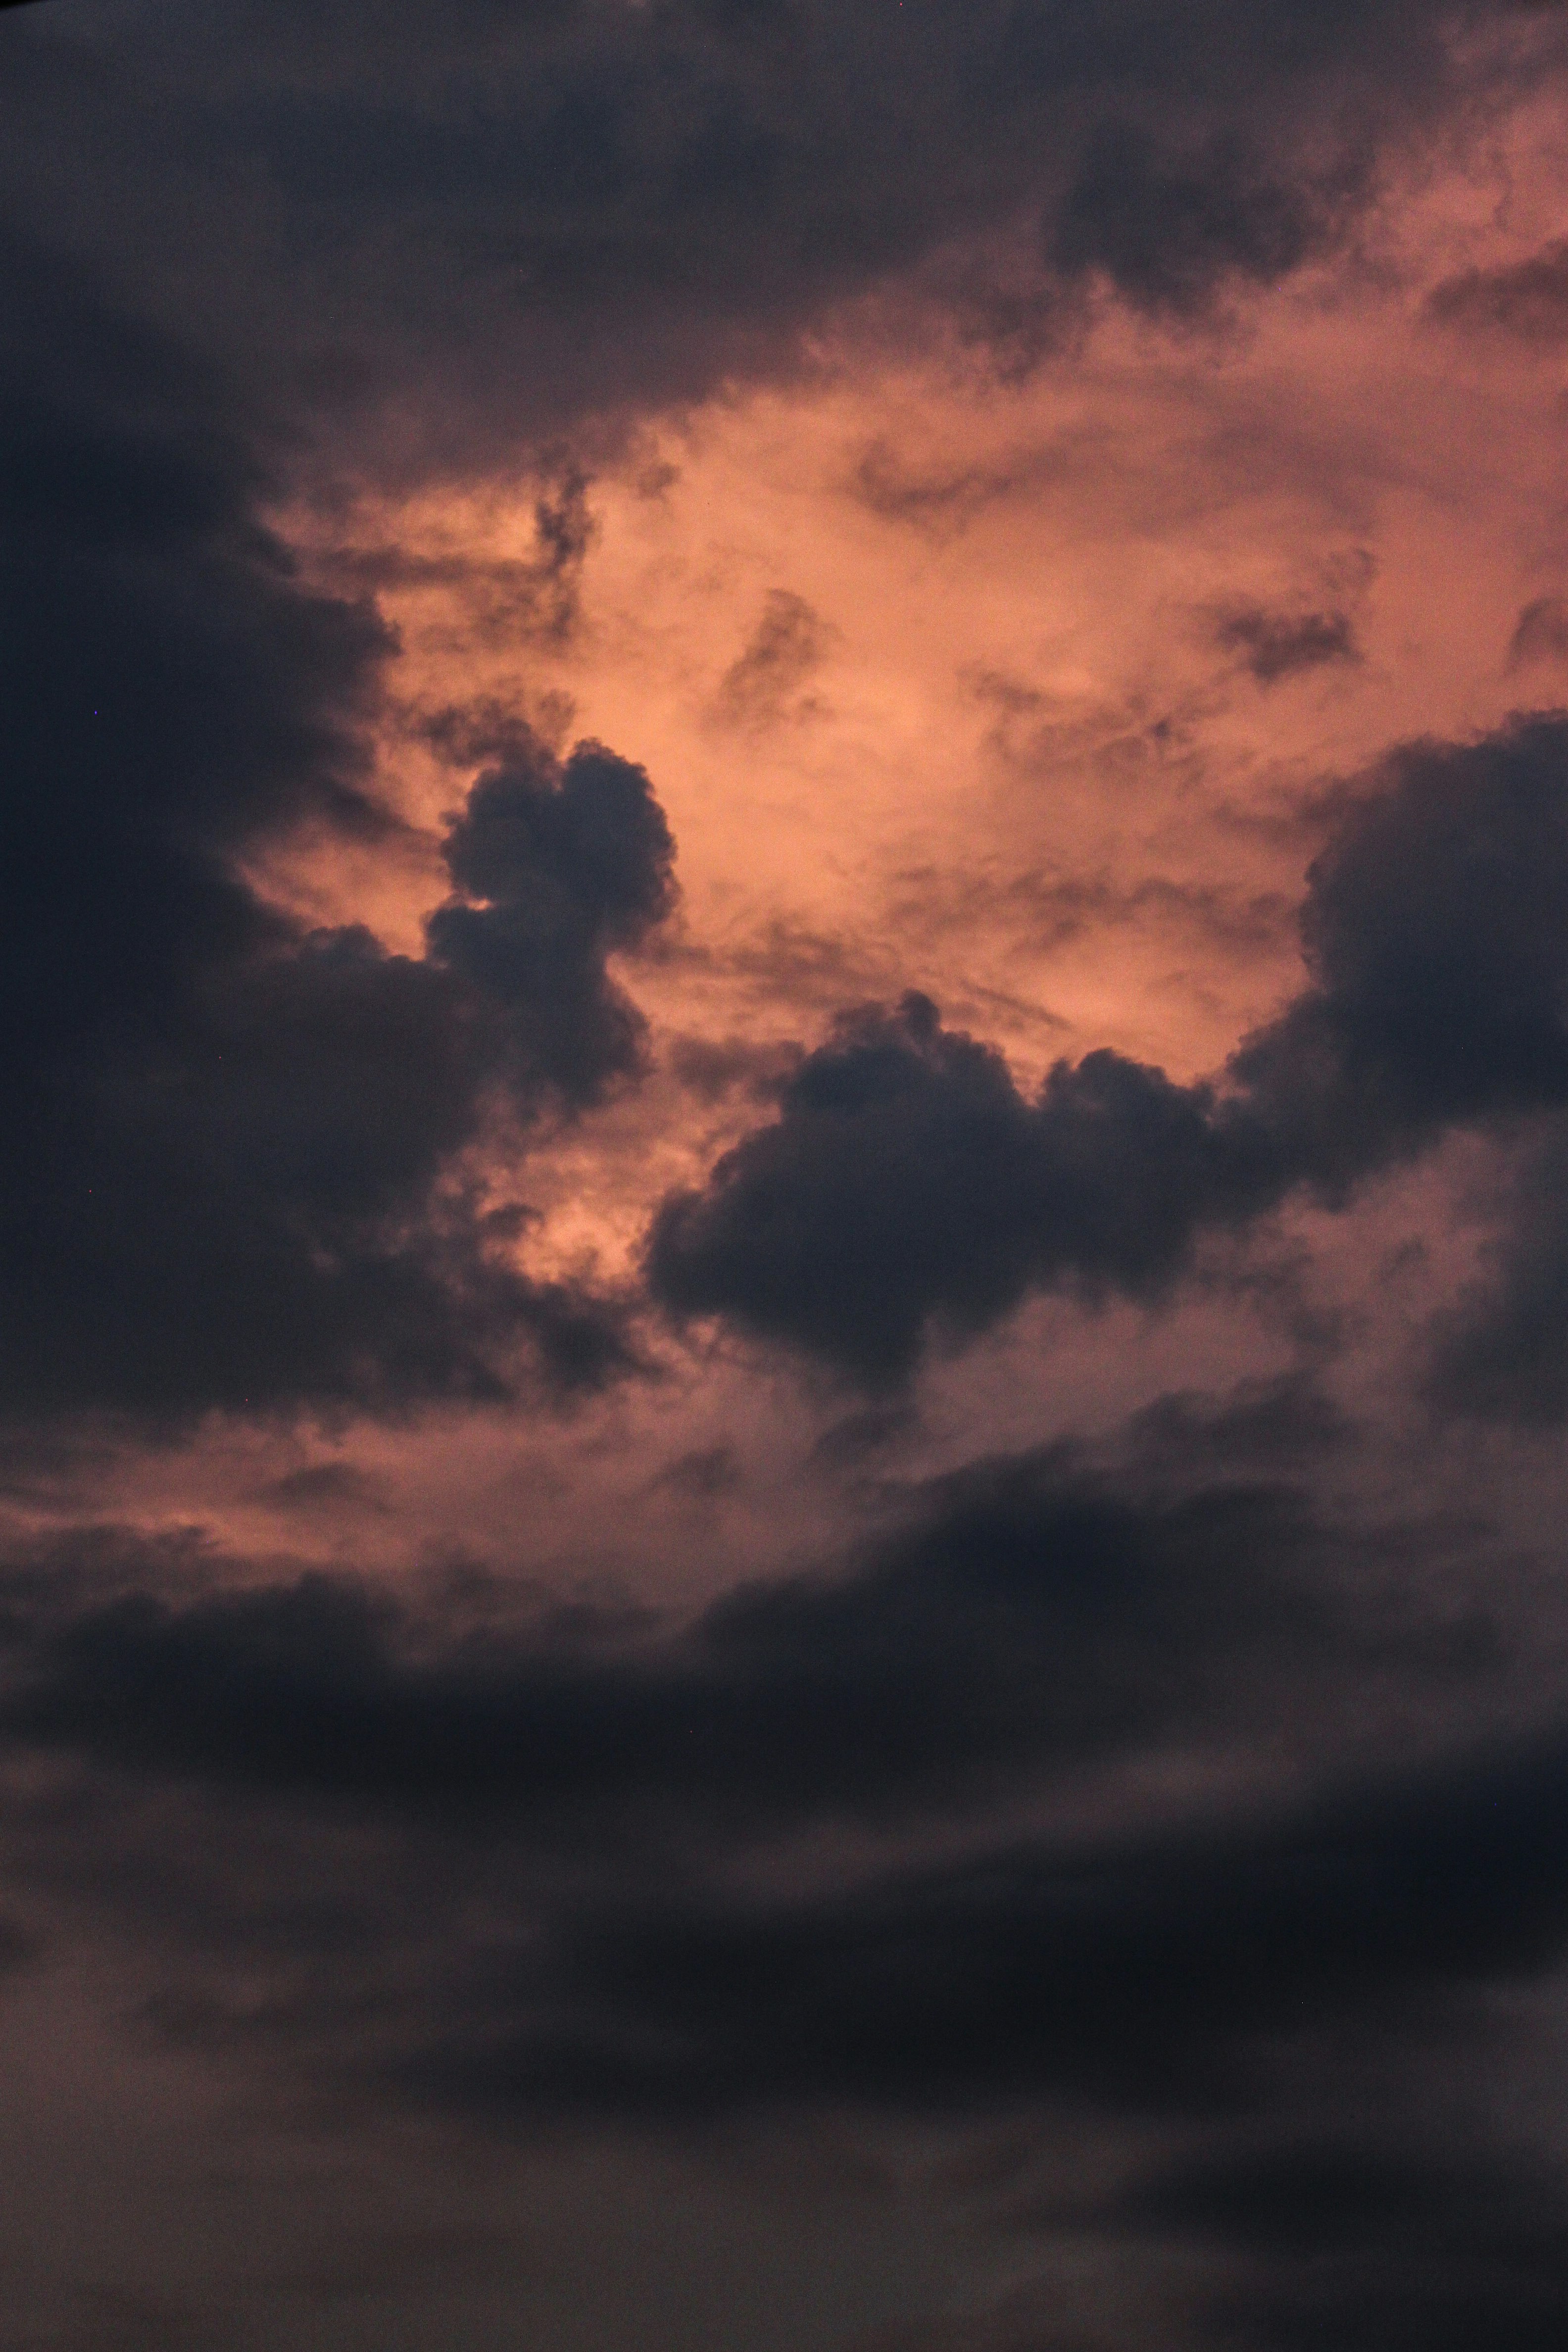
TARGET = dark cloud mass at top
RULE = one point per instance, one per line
(637, 200)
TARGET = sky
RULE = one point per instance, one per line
(784, 1212)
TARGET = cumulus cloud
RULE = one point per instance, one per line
(906, 1185)
(906, 1178)
(561, 865)
(226, 1168)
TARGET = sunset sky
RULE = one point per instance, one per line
(784, 1218)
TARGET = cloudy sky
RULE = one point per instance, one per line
(784, 1211)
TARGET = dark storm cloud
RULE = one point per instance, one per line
(1165, 1974)
(517, 1864)
(562, 864)
(1031, 1622)
(1166, 227)
(1313, 2198)
(569, 209)
(906, 1184)
(1285, 1426)
(1364, 2243)
(227, 1139)
(906, 1177)
(525, 1871)
(1433, 932)
(1501, 1352)
(1030, 1618)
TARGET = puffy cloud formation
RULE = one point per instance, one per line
(566, 863)
(226, 1175)
(905, 1183)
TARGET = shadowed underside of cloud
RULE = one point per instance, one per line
(1157, 1973)
(907, 1180)
(546, 1872)
(1166, 227)
(1501, 1352)
(229, 1168)
(1030, 1623)
(1171, 1971)
(1371, 2244)
(1032, 1616)
(907, 1185)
